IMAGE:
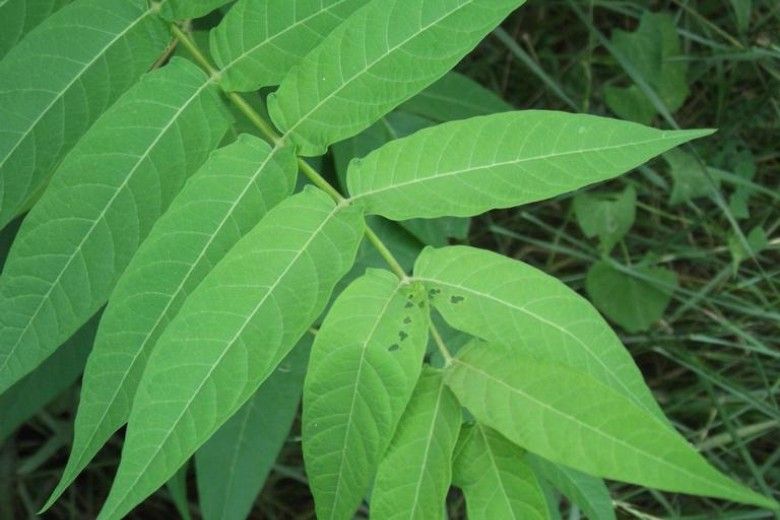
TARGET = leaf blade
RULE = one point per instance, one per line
(414, 477)
(527, 403)
(235, 462)
(227, 196)
(495, 477)
(74, 244)
(464, 168)
(365, 362)
(377, 59)
(87, 53)
(259, 41)
(268, 278)
(11, 11)
(499, 299)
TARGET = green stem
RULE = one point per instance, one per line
(271, 135)
(445, 352)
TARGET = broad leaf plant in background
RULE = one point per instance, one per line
(181, 219)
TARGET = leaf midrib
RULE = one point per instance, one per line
(429, 438)
(130, 487)
(361, 364)
(44, 298)
(450, 173)
(494, 465)
(302, 119)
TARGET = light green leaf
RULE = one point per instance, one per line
(465, 168)
(654, 51)
(184, 9)
(233, 190)
(633, 301)
(589, 493)
(100, 205)
(455, 96)
(570, 418)
(36, 389)
(690, 179)
(18, 17)
(59, 79)
(366, 359)
(496, 478)
(233, 465)
(435, 232)
(378, 58)
(606, 216)
(259, 41)
(502, 300)
(414, 477)
(230, 335)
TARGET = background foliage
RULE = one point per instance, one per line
(700, 253)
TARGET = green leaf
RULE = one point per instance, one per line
(259, 41)
(235, 462)
(502, 300)
(633, 301)
(183, 9)
(435, 232)
(414, 477)
(606, 216)
(496, 478)
(465, 168)
(233, 190)
(570, 418)
(100, 205)
(756, 241)
(742, 10)
(455, 96)
(589, 493)
(46, 382)
(654, 51)
(690, 179)
(378, 58)
(177, 489)
(59, 79)
(366, 359)
(18, 17)
(230, 335)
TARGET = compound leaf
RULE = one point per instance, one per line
(502, 300)
(464, 168)
(378, 58)
(365, 362)
(232, 191)
(57, 81)
(589, 493)
(455, 96)
(230, 335)
(100, 205)
(18, 17)
(414, 477)
(568, 417)
(496, 478)
(233, 465)
(259, 41)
